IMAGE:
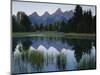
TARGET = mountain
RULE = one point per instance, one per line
(46, 14)
(58, 11)
(34, 14)
(58, 15)
(34, 18)
(47, 18)
(68, 14)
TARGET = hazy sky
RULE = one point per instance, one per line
(40, 8)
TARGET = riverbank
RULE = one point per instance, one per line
(55, 34)
(80, 35)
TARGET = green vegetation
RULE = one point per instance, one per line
(61, 62)
(23, 24)
(80, 35)
(56, 34)
(88, 63)
(81, 22)
(48, 33)
(81, 26)
(37, 59)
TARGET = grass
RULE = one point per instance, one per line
(80, 35)
(88, 63)
(55, 34)
(37, 59)
(61, 62)
(48, 33)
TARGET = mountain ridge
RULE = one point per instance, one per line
(47, 18)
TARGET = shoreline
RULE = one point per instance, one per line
(55, 34)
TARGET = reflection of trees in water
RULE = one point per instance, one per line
(36, 38)
(26, 44)
(80, 46)
(37, 59)
(14, 43)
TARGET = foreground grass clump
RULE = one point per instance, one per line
(37, 59)
(88, 62)
(61, 62)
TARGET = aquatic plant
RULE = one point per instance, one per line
(37, 59)
(61, 62)
(87, 62)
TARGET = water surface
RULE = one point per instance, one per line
(76, 53)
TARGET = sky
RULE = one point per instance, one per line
(40, 8)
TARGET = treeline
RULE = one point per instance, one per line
(81, 22)
(21, 23)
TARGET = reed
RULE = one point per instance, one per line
(61, 62)
(88, 62)
(37, 59)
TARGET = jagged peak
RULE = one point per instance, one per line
(35, 13)
(58, 11)
(46, 14)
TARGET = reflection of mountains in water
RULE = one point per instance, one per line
(72, 64)
(58, 43)
(77, 50)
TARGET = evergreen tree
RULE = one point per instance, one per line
(78, 17)
(14, 24)
(24, 22)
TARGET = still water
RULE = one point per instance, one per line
(46, 54)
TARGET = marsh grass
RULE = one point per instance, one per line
(61, 62)
(89, 62)
(37, 59)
